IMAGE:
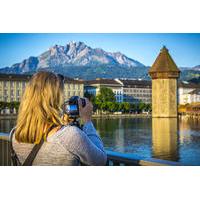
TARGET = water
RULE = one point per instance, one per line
(168, 139)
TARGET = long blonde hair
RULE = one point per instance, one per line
(40, 107)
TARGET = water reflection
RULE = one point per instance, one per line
(126, 135)
(165, 138)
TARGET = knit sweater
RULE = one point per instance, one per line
(68, 146)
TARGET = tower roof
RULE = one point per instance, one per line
(164, 64)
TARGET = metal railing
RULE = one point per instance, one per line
(124, 159)
(114, 158)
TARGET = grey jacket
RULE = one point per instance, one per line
(68, 146)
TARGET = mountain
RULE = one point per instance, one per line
(196, 68)
(190, 73)
(79, 54)
(76, 59)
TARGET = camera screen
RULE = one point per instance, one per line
(72, 107)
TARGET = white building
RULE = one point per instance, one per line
(135, 91)
(188, 93)
(192, 97)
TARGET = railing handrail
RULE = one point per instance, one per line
(131, 159)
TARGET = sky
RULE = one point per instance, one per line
(184, 48)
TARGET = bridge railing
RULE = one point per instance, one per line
(114, 158)
(124, 159)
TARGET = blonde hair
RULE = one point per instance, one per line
(40, 107)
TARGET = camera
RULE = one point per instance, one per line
(71, 107)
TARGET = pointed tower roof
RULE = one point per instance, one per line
(164, 65)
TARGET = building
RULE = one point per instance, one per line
(93, 87)
(13, 85)
(164, 74)
(194, 96)
(188, 93)
(135, 91)
(191, 97)
(73, 88)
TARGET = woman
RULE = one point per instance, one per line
(41, 118)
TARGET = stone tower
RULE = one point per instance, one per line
(164, 74)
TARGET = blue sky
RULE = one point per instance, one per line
(184, 48)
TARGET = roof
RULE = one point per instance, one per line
(102, 81)
(25, 77)
(196, 91)
(17, 77)
(138, 83)
(188, 85)
(164, 63)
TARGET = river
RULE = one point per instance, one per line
(163, 138)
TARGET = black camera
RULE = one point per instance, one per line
(71, 107)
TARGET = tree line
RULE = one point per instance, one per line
(9, 105)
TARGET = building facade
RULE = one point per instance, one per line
(12, 87)
(136, 91)
(188, 93)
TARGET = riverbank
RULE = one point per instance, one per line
(96, 116)
(107, 116)
(8, 116)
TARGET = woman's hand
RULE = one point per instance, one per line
(85, 112)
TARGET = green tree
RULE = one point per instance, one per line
(113, 106)
(127, 106)
(148, 107)
(141, 106)
(3, 105)
(15, 105)
(105, 95)
(133, 107)
(124, 107)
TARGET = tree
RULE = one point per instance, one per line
(126, 106)
(101, 101)
(2, 105)
(141, 107)
(105, 95)
(148, 107)
(133, 107)
(113, 106)
(15, 105)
